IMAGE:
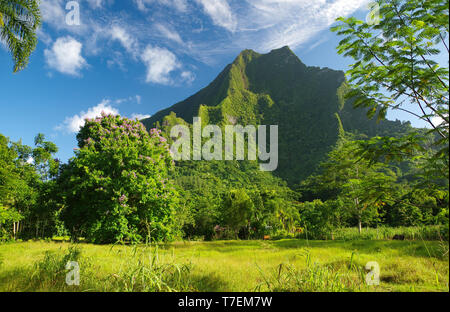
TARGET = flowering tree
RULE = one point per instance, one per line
(116, 187)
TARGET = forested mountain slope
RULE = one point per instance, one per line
(278, 89)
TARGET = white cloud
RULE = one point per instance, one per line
(261, 25)
(43, 36)
(140, 116)
(53, 12)
(65, 56)
(270, 24)
(220, 13)
(138, 99)
(140, 5)
(169, 33)
(179, 5)
(160, 63)
(96, 4)
(126, 40)
(187, 77)
(74, 123)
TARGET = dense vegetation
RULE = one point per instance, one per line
(307, 104)
(337, 168)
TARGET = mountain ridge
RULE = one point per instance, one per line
(277, 88)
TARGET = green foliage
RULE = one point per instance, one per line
(395, 68)
(320, 220)
(19, 20)
(310, 108)
(410, 233)
(213, 190)
(394, 59)
(361, 189)
(278, 89)
(116, 188)
(18, 188)
(238, 210)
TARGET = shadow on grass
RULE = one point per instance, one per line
(209, 283)
(15, 280)
(420, 249)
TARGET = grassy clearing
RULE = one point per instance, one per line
(284, 265)
(430, 232)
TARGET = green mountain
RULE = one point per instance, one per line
(278, 89)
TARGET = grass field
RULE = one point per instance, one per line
(284, 265)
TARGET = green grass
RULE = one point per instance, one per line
(430, 233)
(284, 265)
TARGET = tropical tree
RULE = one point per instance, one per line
(17, 186)
(396, 63)
(42, 156)
(19, 20)
(238, 210)
(116, 188)
(363, 188)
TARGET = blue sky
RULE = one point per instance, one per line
(135, 57)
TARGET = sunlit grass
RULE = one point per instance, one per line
(233, 266)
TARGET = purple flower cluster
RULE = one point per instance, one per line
(155, 131)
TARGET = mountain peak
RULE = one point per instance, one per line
(246, 56)
(282, 56)
(282, 50)
(276, 88)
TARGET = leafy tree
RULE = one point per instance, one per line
(18, 180)
(116, 187)
(19, 20)
(394, 60)
(395, 68)
(362, 188)
(8, 181)
(36, 199)
(319, 219)
(238, 210)
(43, 159)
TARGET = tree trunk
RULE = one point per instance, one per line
(359, 225)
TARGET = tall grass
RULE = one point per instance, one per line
(144, 272)
(335, 277)
(50, 272)
(285, 265)
(429, 233)
(141, 271)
